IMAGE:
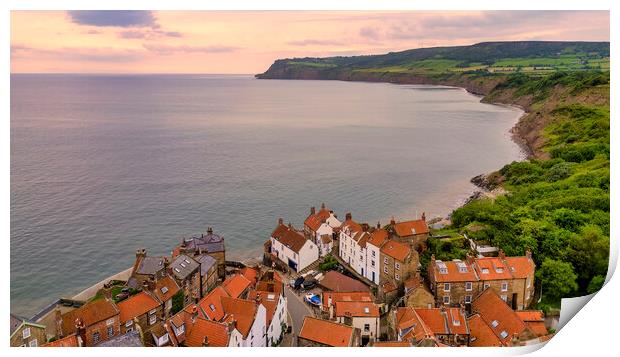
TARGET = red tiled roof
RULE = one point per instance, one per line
(396, 250)
(215, 332)
(274, 285)
(520, 267)
(411, 325)
(353, 226)
(450, 321)
(531, 315)
(356, 309)
(378, 237)
(333, 296)
(404, 229)
(494, 311)
(314, 221)
(453, 274)
(326, 238)
(289, 237)
(171, 287)
(481, 334)
(241, 311)
(326, 332)
(391, 344)
(268, 299)
(69, 341)
(335, 281)
(492, 268)
(538, 328)
(211, 304)
(136, 305)
(90, 313)
(250, 273)
(236, 285)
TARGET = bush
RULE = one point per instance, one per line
(329, 263)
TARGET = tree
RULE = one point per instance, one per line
(329, 263)
(557, 278)
(177, 302)
(596, 284)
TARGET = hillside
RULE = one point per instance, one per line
(557, 203)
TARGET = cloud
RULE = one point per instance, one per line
(114, 18)
(313, 42)
(86, 54)
(168, 50)
(369, 32)
(132, 34)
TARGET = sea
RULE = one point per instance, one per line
(102, 165)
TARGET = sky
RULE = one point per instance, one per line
(249, 41)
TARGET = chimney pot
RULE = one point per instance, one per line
(312, 210)
(501, 254)
(392, 221)
(424, 216)
(378, 224)
(348, 216)
(280, 221)
(322, 205)
(210, 230)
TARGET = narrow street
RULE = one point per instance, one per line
(297, 308)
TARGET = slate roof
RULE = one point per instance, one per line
(183, 266)
(129, 339)
(206, 263)
(150, 265)
(206, 243)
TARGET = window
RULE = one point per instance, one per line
(446, 287)
(96, 337)
(26, 332)
(33, 343)
(397, 266)
(110, 331)
(505, 298)
(468, 286)
(486, 285)
(372, 263)
(504, 286)
(373, 253)
(152, 312)
(385, 260)
(503, 334)
(366, 327)
(110, 322)
(385, 270)
(397, 276)
(446, 299)
(128, 323)
(468, 299)
(164, 339)
(361, 258)
(152, 319)
(494, 323)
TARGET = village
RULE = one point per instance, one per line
(331, 283)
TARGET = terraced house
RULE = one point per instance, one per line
(321, 227)
(291, 247)
(459, 282)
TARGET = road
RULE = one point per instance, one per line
(297, 308)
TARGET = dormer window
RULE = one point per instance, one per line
(485, 271)
(503, 334)
(494, 323)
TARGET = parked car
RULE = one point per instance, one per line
(298, 282)
(309, 283)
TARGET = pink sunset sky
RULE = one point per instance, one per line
(249, 41)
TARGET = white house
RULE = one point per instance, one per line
(373, 249)
(249, 317)
(320, 226)
(275, 307)
(353, 245)
(292, 248)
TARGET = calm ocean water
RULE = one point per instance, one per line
(103, 165)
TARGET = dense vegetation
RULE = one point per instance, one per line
(558, 207)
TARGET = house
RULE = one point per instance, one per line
(160, 335)
(448, 325)
(292, 248)
(353, 251)
(398, 261)
(503, 321)
(417, 294)
(249, 318)
(94, 322)
(147, 268)
(143, 309)
(373, 249)
(329, 299)
(322, 333)
(457, 282)
(25, 333)
(210, 244)
(189, 328)
(275, 313)
(410, 327)
(413, 233)
(237, 286)
(481, 334)
(208, 272)
(320, 227)
(211, 305)
(186, 273)
(362, 315)
(335, 281)
(535, 321)
(164, 290)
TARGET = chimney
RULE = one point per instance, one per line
(322, 205)
(348, 216)
(210, 230)
(58, 320)
(140, 253)
(312, 210)
(194, 313)
(433, 259)
(501, 254)
(378, 224)
(424, 216)
(280, 221)
(528, 253)
(166, 263)
(290, 225)
(205, 342)
(392, 221)
(80, 329)
(183, 242)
